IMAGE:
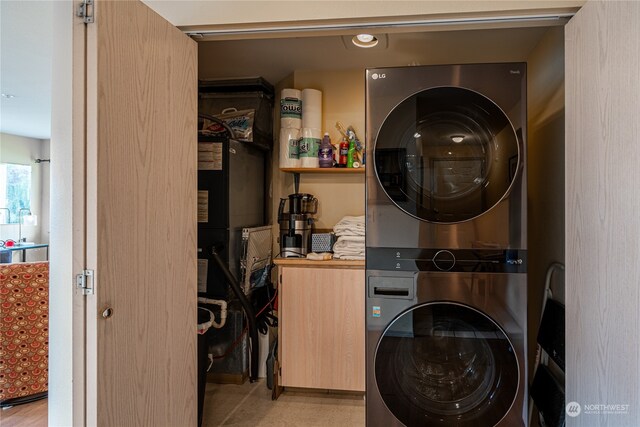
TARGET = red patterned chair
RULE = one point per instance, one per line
(24, 332)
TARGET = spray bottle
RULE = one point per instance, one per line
(344, 153)
(325, 153)
(351, 154)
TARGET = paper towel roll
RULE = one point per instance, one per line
(309, 145)
(311, 109)
(290, 108)
(289, 148)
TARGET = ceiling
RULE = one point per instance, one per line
(274, 59)
(25, 67)
(267, 13)
(26, 56)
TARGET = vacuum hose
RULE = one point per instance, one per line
(248, 309)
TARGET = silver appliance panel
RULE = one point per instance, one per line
(488, 171)
(498, 298)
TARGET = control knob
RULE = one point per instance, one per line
(444, 260)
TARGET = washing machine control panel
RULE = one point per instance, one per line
(453, 260)
(444, 260)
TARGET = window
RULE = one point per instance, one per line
(15, 191)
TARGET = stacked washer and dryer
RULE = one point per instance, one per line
(446, 245)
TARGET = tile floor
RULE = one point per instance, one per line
(251, 405)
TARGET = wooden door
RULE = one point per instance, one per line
(602, 205)
(141, 219)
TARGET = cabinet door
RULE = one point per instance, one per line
(322, 328)
(602, 203)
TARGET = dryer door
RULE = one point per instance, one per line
(446, 155)
(446, 364)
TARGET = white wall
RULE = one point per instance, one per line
(220, 12)
(342, 100)
(45, 208)
(338, 194)
(546, 141)
(61, 310)
(23, 150)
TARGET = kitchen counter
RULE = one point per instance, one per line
(333, 263)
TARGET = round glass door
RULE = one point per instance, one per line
(446, 155)
(443, 364)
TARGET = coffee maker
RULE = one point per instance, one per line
(296, 224)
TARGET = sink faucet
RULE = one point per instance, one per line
(8, 215)
(20, 222)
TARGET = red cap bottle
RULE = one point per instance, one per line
(344, 152)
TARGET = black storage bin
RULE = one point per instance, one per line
(217, 95)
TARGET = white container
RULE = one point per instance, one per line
(312, 109)
(309, 145)
(289, 148)
(263, 353)
(291, 108)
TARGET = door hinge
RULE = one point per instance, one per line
(85, 11)
(84, 282)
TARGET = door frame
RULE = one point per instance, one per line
(68, 227)
(67, 306)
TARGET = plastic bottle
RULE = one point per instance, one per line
(325, 153)
(344, 153)
(351, 154)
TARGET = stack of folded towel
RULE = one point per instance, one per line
(351, 235)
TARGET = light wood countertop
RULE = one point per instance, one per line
(307, 263)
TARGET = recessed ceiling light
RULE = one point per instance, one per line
(8, 96)
(457, 138)
(365, 40)
(417, 135)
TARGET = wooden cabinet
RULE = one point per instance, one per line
(321, 326)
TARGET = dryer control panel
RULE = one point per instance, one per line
(453, 260)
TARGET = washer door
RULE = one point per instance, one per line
(446, 155)
(446, 364)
